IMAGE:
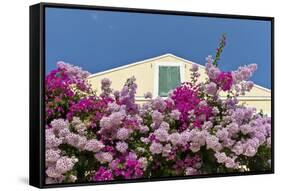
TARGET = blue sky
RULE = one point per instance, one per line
(101, 40)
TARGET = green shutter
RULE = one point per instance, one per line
(169, 78)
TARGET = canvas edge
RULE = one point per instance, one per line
(36, 101)
(34, 88)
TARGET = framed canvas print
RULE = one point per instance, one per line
(126, 95)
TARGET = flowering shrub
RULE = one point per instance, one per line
(193, 131)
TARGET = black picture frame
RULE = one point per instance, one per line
(36, 99)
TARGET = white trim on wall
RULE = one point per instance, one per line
(156, 74)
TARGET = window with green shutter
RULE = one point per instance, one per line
(169, 78)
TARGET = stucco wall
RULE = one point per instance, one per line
(143, 73)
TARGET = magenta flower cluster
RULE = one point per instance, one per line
(103, 174)
(224, 80)
(193, 131)
(193, 110)
(59, 94)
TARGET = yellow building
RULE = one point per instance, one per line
(172, 70)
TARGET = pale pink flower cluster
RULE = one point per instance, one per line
(229, 162)
(121, 147)
(156, 148)
(104, 157)
(93, 145)
(57, 164)
(241, 77)
(73, 71)
(105, 87)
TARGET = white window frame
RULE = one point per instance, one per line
(156, 74)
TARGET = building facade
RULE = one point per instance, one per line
(160, 74)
